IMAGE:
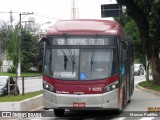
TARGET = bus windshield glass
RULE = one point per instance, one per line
(80, 63)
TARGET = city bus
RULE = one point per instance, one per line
(88, 65)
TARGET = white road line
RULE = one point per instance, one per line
(147, 118)
(121, 118)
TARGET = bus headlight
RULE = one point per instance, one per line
(111, 87)
(48, 87)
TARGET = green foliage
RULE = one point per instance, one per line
(28, 50)
(146, 14)
(26, 45)
(132, 30)
(20, 97)
(12, 45)
(12, 69)
(150, 85)
(26, 74)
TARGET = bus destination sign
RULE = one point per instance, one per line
(83, 41)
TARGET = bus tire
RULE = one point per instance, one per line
(59, 112)
(129, 101)
(117, 112)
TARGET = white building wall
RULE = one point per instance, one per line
(6, 64)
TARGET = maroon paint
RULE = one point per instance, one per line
(82, 87)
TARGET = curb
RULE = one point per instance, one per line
(30, 104)
(148, 90)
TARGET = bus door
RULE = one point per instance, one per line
(125, 68)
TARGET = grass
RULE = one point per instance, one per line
(150, 85)
(19, 97)
(26, 74)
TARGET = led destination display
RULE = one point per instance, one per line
(81, 41)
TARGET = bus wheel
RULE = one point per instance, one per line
(117, 112)
(59, 112)
(129, 101)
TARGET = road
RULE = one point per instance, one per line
(31, 84)
(138, 79)
(140, 101)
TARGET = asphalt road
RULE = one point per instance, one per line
(31, 84)
(141, 100)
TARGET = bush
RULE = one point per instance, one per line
(12, 69)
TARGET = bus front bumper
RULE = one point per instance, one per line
(87, 101)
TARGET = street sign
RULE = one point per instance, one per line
(111, 10)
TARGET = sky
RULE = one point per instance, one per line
(51, 10)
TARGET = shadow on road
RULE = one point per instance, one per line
(86, 114)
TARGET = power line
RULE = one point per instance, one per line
(19, 50)
(11, 16)
(9, 12)
(46, 16)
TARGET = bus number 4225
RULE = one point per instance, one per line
(95, 89)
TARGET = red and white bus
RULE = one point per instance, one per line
(88, 64)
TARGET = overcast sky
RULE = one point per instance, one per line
(52, 10)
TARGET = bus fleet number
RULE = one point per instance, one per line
(95, 89)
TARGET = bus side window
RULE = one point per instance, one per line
(124, 52)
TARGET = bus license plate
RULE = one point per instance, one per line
(79, 104)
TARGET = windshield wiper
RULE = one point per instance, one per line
(65, 61)
(73, 62)
(72, 59)
(91, 62)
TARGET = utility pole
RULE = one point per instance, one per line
(11, 19)
(18, 73)
(75, 12)
(28, 26)
(11, 16)
(19, 50)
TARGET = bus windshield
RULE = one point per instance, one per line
(80, 64)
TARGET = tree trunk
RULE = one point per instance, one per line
(155, 66)
(147, 71)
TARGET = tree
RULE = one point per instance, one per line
(12, 45)
(26, 43)
(1, 62)
(28, 50)
(132, 30)
(146, 15)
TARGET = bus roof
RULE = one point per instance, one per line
(85, 27)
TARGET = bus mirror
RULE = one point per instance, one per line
(42, 39)
(124, 55)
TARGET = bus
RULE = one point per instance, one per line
(88, 65)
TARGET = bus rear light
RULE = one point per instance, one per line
(111, 87)
(48, 87)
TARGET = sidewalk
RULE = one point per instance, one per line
(25, 105)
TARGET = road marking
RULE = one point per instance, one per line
(121, 118)
(147, 118)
